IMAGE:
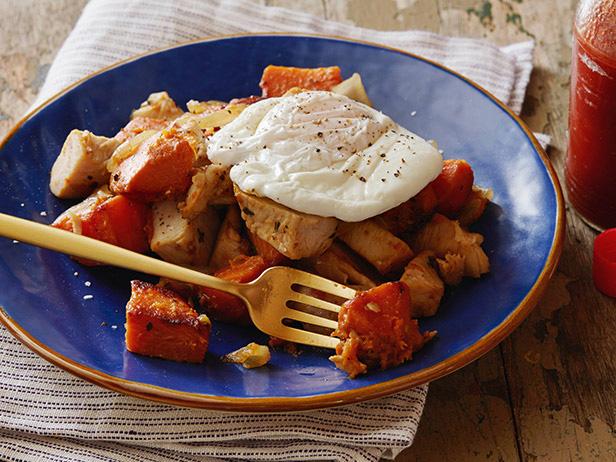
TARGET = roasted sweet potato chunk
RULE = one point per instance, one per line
(160, 169)
(376, 330)
(120, 221)
(223, 306)
(266, 250)
(453, 186)
(117, 220)
(277, 80)
(71, 218)
(160, 323)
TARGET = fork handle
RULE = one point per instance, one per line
(85, 247)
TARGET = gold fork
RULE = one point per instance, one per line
(270, 298)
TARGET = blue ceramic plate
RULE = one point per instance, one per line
(43, 293)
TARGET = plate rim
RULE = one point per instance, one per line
(282, 404)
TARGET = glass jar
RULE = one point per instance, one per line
(590, 168)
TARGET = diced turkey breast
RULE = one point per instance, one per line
(442, 236)
(294, 234)
(337, 264)
(425, 285)
(158, 106)
(81, 166)
(378, 246)
(180, 241)
(210, 185)
(451, 268)
(230, 243)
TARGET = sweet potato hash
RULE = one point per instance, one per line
(153, 188)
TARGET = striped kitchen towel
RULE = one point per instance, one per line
(47, 414)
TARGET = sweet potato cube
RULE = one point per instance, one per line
(71, 218)
(453, 186)
(277, 80)
(243, 269)
(160, 169)
(376, 330)
(223, 306)
(160, 323)
(117, 220)
(266, 250)
(120, 221)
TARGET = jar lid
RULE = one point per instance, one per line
(604, 262)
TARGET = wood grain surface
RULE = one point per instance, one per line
(548, 392)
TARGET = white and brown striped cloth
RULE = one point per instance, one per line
(49, 415)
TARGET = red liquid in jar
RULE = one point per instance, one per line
(591, 161)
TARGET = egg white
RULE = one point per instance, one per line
(324, 154)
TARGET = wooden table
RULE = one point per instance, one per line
(547, 392)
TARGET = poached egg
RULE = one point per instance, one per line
(324, 154)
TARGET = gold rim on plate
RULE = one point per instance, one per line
(281, 404)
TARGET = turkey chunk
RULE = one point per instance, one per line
(337, 264)
(378, 246)
(451, 268)
(294, 234)
(158, 106)
(230, 243)
(210, 185)
(181, 241)
(442, 236)
(425, 286)
(81, 166)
